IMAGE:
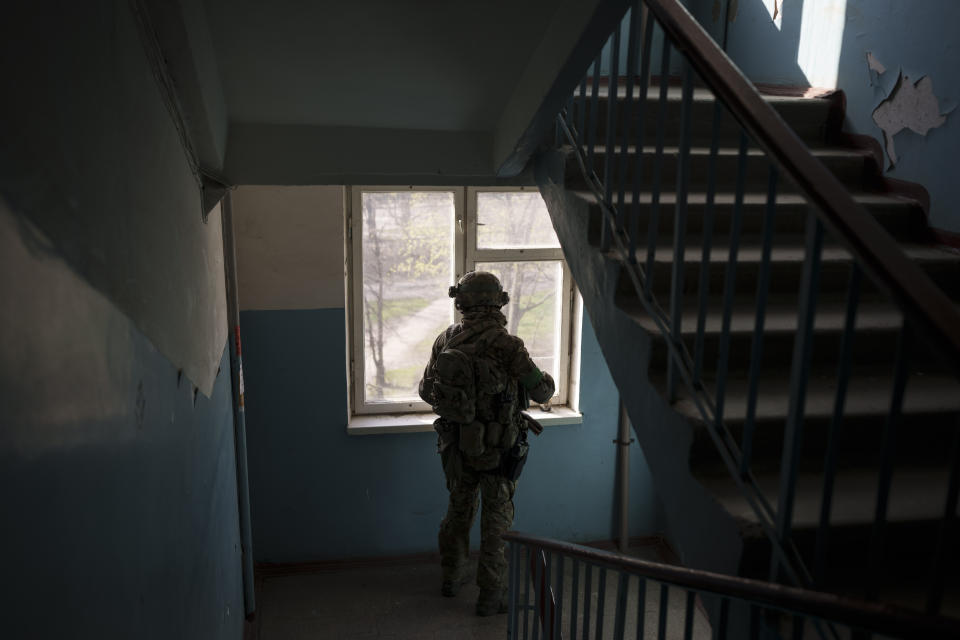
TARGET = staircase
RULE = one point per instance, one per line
(861, 484)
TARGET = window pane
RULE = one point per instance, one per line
(514, 220)
(407, 266)
(535, 309)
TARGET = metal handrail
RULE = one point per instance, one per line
(875, 249)
(926, 308)
(886, 619)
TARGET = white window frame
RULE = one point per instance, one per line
(417, 416)
(474, 255)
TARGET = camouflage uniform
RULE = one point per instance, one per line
(466, 474)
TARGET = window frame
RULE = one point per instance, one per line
(473, 255)
(465, 254)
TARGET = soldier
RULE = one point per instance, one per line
(478, 381)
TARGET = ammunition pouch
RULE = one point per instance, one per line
(447, 433)
(471, 438)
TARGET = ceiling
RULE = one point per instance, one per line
(438, 65)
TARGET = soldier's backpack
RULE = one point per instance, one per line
(462, 371)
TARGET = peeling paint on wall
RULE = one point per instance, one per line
(875, 65)
(910, 106)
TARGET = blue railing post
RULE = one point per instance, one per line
(888, 459)
(799, 374)
(756, 350)
(653, 225)
(680, 229)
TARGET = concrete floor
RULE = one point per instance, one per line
(401, 600)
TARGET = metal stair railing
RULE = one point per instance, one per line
(552, 597)
(928, 313)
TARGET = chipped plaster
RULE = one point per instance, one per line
(911, 105)
(875, 65)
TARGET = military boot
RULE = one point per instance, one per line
(492, 602)
(452, 583)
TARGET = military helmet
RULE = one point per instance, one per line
(478, 289)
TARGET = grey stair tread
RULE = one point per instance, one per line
(702, 94)
(868, 394)
(724, 151)
(781, 315)
(786, 253)
(915, 495)
(864, 198)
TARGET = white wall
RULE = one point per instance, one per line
(289, 247)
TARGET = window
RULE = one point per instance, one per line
(408, 245)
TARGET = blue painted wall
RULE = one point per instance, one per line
(118, 497)
(917, 38)
(117, 479)
(318, 493)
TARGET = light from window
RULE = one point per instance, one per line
(513, 220)
(408, 257)
(534, 313)
(408, 246)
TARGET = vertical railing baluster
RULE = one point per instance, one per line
(688, 616)
(720, 629)
(611, 139)
(653, 223)
(944, 549)
(620, 618)
(641, 607)
(799, 373)
(547, 600)
(680, 231)
(574, 598)
(730, 282)
(708, 221)
(568, 112)
(888, 459)
(582, 111)
(836, 422)
(514, 594)
(587, 599)
(558, 592)
(662, 620)
(625, 117)
(601, 600)
(756, 348)
(526, 592)
(594, 109)
(754, 622)
(798, 624)
(537, 593)
(640, 128)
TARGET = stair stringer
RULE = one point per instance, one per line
(702, 532)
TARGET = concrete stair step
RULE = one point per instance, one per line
(786, 263)
(929, 416)
(916, 495)
(917, 498)
(813, 119)
(854, 167)
(877, 325)
(901, 217)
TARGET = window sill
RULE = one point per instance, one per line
(423, 422)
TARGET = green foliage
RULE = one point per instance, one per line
(402, 308)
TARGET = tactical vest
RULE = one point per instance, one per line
(475, 397)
